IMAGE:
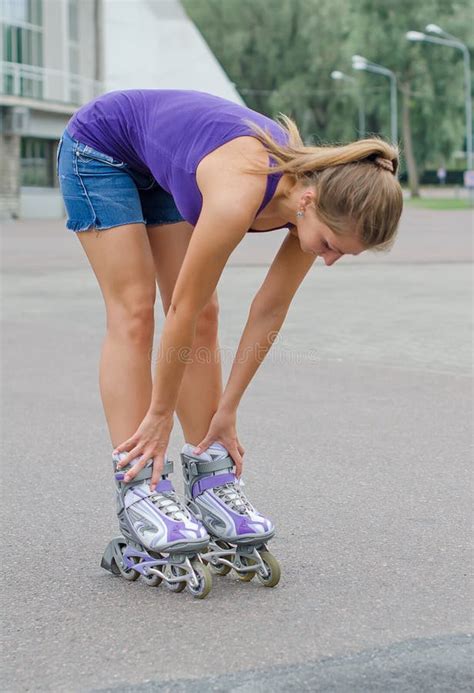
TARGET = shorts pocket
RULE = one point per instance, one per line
(86, 153)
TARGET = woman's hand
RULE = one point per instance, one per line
(150, 441)
(222, 429)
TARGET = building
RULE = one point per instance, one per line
(58, 54)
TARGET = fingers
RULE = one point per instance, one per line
(203, 445)
(145, 457)
(237, 457)
(137, 467)
(135, 453)
(158, 462)
(131, 447)
(147, 445)
(235, 449)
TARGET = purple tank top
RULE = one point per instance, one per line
(166, 132)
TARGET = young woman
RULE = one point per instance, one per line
(161, 186)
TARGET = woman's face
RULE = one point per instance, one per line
(318, 239)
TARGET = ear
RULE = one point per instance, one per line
(308, 197)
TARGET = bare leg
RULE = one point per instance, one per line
(201, 387)
(122, 261)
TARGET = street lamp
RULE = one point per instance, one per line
(361, 63)
(434, 29)
(337, 74)
(453, 42)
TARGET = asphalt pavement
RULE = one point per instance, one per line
(358, 431)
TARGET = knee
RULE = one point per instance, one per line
(132, 319)
(207, 322)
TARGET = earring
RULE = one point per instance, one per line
(299, 213)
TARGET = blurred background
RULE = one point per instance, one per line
(343, 69)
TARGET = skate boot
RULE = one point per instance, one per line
(238, 532)
(161, 539)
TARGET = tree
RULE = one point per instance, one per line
(280, 54)
(430, 82)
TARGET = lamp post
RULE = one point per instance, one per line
(360, 63)
(445, 39)
(338, 75)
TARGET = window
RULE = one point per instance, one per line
(22, 11)
(38, 162)
(73, 40)
(22, 44)
(73, 20)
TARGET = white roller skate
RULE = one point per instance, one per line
(238, 531)
(161, 538)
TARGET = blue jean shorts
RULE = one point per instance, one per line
(101, 192)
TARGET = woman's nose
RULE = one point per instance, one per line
(331, 258)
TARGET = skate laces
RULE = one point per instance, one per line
(169, 504)
(232, 495)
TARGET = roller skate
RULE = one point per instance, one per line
(238, 532)
(161, 539)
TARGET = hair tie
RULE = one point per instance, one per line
(384, 163)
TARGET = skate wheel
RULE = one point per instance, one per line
(273, 567)
(204, 577)
(220, 568)
(127, 573)
(246, 577)
(151, 580)
(175, 571)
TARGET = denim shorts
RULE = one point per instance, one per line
(101, 192)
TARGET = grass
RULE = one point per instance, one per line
(439, 203)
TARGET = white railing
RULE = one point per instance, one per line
(46, 84)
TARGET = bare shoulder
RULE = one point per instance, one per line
(224, 171)
(235, 155)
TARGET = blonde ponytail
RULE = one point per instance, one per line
(356, 185)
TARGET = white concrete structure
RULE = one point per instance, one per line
(162, 45)
(69, 52)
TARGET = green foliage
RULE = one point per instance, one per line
(430, 76)
(280, 54)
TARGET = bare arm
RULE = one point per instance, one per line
(224, 220)
(266, 316)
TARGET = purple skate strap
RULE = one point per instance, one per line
(210, 482)
(164, 486)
